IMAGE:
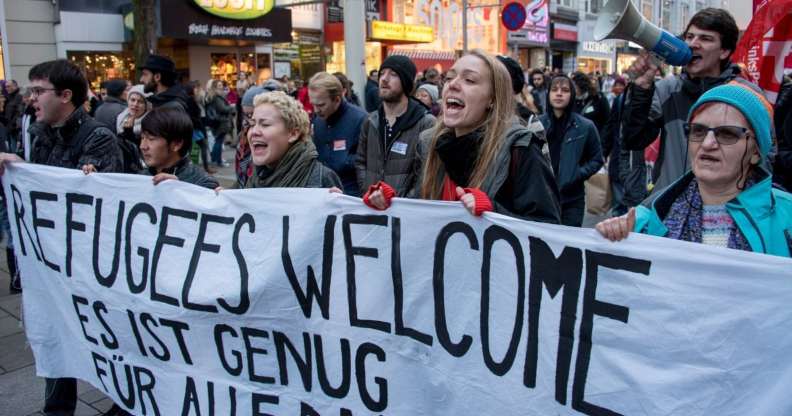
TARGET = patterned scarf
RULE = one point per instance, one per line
(292, 171)
(685, 218)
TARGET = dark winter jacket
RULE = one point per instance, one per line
(663, 110)
(625, 167)
(173, 97)
(580, 157)
(594, 108)
(521, 183)
(221, 112)
(393, 162)
(336, 140)
(372, 96)
(782, 168)
(186, 171)
(14, 107)
(60, 147)
(108, 112)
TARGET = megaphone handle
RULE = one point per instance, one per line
(654, 59)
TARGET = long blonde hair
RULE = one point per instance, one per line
(495, 125)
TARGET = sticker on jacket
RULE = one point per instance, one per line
(339, 145)
(400, 148)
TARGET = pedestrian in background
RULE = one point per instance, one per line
(589, 101)
(112, 105)
(575, 150)
(219, 116)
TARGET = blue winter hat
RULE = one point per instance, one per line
(756, 109)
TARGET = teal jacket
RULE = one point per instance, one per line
(762, 213)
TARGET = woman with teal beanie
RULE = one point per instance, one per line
(727, 199)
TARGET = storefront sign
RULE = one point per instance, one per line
(597, 47)
(381, 30)
(236, 9)
(563, 31)
(183, 20)
(535, 29)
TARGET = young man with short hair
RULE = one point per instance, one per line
(336, 128)
(165, 140)
(64, 135)
(389, 136)
(661, 108)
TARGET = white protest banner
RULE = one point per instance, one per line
(176, 300)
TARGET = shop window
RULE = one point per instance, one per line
(101, 66)
(227, 66)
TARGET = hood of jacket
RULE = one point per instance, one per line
(175, 92)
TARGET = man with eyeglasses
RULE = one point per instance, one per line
(661, 108)
(64, 135)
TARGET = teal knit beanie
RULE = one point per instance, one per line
(750, 103)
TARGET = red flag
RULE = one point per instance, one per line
(766, 46)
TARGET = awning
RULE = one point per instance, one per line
(424, 59)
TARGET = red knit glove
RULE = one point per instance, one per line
(483, 203)
(387, 191)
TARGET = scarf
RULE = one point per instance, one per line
(685, 218)
(459, 154)
(292, 171)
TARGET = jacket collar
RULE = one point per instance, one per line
(69, 128)
(757, 200)
(333, 119)
(175, 169)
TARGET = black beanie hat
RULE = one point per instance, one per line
(515, 71)
(404, 68)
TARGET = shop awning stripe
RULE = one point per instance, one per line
(425, 55)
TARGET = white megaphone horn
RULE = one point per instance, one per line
(619, 19)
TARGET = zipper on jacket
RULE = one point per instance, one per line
(754, 225)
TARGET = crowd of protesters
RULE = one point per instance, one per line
(486, 132)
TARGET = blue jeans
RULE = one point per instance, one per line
(217, 147)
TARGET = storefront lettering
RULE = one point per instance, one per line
(197, 29)
(262, 32)
(599, 47)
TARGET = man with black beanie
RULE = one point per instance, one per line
(389, 135)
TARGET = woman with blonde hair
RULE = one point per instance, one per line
(479, 152)
(281, 148)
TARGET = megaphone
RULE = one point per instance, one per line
(620, 20)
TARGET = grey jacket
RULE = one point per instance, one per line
(186, 171)
(394, 163)
(108, 112)
(663, 110)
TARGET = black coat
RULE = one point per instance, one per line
(581, 155)
(187, 172)
(782, 168)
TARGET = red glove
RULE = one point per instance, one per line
(483, 203)
(387, 191)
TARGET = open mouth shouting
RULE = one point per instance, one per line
(454, 105)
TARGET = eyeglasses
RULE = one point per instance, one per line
(36, 91)
(724, 135)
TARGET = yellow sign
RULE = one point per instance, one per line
(381, 30)
(237, 9)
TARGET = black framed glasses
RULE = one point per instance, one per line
(724, 135)
(36, 91)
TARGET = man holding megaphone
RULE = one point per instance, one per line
(661, 107)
